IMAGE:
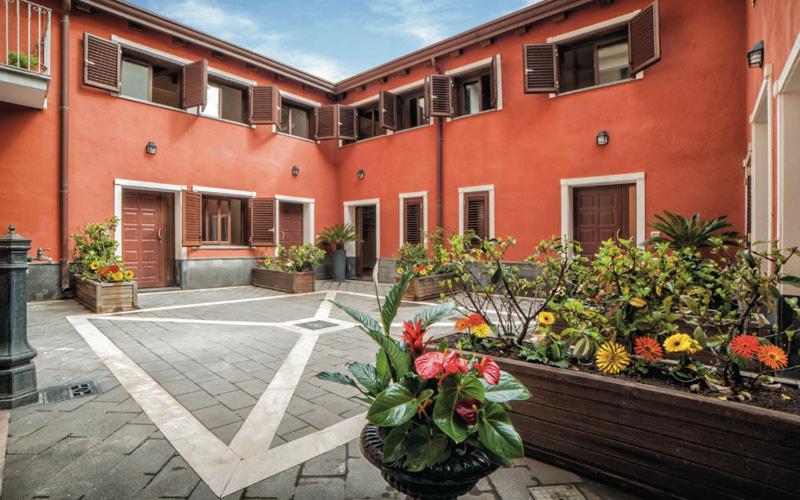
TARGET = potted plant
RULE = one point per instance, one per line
(291, 270)
(429, 265)
(438, 418)
(103, 283)
(338, 236)
(21, 60)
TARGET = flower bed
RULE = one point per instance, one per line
(284, 281)
(106, 297)
(429, 268)
(426, 287)
(291, 271)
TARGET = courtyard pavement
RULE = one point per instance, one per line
(212, 393)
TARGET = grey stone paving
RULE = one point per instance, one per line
(104, 447)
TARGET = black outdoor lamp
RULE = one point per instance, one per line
(295, 170)
(151, 148)
(755, 58)
(602, 138)
(360, 174)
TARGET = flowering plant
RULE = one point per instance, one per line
(424, 261)
(431, 404)
(295, 259)
(95, 253)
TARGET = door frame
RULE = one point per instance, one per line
(308, 217)
(567, 185)
(350, 218)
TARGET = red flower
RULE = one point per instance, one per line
(433, 364)
(489, 369)
(745, 346)
(467, 409)
(475, 319)
(113, 268)
(454, 363)
(419, 267)
(648, 349)
(413, 333)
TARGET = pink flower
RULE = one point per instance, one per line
(489, 369)
(433, 364)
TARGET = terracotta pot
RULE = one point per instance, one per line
(444, 481)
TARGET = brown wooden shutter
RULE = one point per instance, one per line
(348, 122)
(412, 220)
(325, 122)
(439, 95)
(102, 60)
(644, 45)
(476, 213)
(541, 68)
(195, 84)
(265, 105)
(192, 219)
(387, 104)
(262, 222)
(493, 90)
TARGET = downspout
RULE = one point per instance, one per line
(439, 162)
(63, 192)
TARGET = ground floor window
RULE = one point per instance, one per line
(224, 221)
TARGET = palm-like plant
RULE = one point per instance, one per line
(338, 235)
(684, 232)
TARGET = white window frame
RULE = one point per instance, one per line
(483, 63)
(761, 161)
(403, 197)
(308, 217)
(476, 189)
(350, 218)
(568, 185)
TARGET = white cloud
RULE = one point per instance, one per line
(231, 26)
(421, 20)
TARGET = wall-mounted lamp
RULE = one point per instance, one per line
(295, 170)
(602, 138)
(361, 174)
(755, 58)
(151, 148)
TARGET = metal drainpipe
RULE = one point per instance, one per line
(439, 162)
(63, 193)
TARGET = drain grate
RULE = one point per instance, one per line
(316, 325)
(67, 391)
(556, 492)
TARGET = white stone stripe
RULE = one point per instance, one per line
(324, 310)
(210, 458)
(4, 416)
(256, 433)
(157, 319)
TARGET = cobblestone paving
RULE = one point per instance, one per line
(105, 447)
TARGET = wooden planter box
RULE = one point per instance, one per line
(106, 297)
(429, 287)
(283, 281)
(660, 442)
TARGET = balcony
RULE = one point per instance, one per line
(24, 53)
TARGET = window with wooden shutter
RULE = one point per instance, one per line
(413, 220)
(476, 213)
(262, 222)
(644, 46)
(439, 95)
(265, 105)
(325, 120)
(541, 68)
(387, 103)
(348, 122)
(337, 122)
(192, 219)
(102, 60)
(194, 81)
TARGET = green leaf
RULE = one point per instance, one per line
(367, 322)
(339, 378)
(497, 434)
(790, 280)
(366, 374)
(432, 314)
(508, 389)
(392, 301)
(382, 367)
(394, 446)
(451, 391)
(394, 406)
(426, 448)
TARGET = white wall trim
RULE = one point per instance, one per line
(475, 189)
(350, 218)
(309, 236)
(299, 99)
(417, 194)
(223, 191)
(762, 116)
(792, 63)
(149, 186)
(563, 37)
(604, 180)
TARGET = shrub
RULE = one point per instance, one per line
(95, 253)
(296, 258)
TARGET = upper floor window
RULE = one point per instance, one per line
(594, 61)
(411, 110)
(296, 119)
(149, 81)
(225, 101)
(474, 92)
(369, 122)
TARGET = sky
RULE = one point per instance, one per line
(333, 39)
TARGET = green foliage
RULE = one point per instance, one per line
(95, 253)
(21, 60)
(338, 235)
(684, 232)
(295, 259)
(424, 260)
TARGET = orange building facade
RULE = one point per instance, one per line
(579, 118)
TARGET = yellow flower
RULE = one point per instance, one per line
(430, 267)
(128, 275)
(637, 302)
(399, 270)
(94, 266)
(678, 342)
(546, 318)
(695, 347)
(611, 357)
(482, 331)
(423, 272)
(117, 276)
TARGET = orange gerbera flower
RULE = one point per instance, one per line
(648, 349)
(462, 324)
(745, 346)
(772, 356)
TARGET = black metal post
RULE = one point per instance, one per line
(17, 373)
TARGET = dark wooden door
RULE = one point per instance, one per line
(291, 224)
(600, 213)
(146, 232)
(366, 230)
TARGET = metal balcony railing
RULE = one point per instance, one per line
(25, 42)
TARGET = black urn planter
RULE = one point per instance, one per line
(445, 481)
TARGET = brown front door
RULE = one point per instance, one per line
(365, 249)
(146, 237)
(291, 224)
(600, 213)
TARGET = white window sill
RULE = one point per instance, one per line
(638, 76)
(312, 141)
(479, 113)
(224, 247)
(179, 110)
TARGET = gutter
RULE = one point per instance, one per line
(63, 167)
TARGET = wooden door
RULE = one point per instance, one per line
(291, 224)
(146, 233)
(600, 213)
(366, 230)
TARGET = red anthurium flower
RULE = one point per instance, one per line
(489, 369)
(430, 365)
(467, 409)
(454, 363)
(414, 334)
